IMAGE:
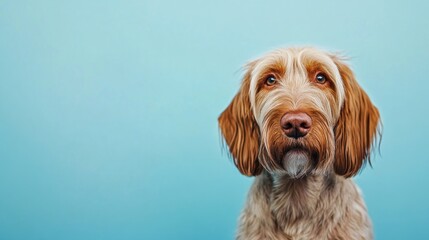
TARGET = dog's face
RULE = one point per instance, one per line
(299, 111)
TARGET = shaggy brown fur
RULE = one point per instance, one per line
(302, 188)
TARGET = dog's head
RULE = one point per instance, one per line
(299, 111)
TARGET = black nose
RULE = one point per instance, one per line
(295, 124)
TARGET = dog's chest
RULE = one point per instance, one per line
(301, 209)
(304, 230)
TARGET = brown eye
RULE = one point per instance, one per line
(270, 81)
(320, 78)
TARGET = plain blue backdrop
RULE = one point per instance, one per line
(108, 111)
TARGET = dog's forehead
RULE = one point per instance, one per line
(295, 59)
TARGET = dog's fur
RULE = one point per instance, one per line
(305, 194)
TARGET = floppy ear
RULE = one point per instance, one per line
(357, 126)
(240, 130)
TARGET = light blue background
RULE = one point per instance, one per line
(108, 111)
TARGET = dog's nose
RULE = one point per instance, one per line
(295, 124)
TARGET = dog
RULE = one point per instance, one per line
(303, 126)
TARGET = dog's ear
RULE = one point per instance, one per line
(240, 130)
(357, 126)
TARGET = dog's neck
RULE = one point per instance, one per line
(292, 200)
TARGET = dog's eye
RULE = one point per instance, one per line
(320, 78)
(270, 81)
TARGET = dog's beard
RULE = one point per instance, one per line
(297, 162)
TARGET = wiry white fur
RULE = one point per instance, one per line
(296, 163)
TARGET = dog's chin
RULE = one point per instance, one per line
(297, 162)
